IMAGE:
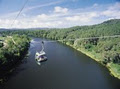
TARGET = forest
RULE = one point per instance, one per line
(12, 50)
(104, 50)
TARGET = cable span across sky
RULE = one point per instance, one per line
(19, 12)
(114, 36)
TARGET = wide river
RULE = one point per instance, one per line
(65, 68)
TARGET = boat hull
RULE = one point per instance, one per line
(40, 56)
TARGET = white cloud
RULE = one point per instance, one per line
(84, 17)
(59, 9)
(112, 11)
(42, 17)
(77, 18)
(62, 17)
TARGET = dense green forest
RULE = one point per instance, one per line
(12, 50)
(104, 50)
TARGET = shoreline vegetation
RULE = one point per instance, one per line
(108, 66)
(104, 50)
(12, 50)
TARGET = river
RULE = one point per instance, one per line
(65, 68)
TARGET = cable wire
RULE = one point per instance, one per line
(19, 13)
(101, 37)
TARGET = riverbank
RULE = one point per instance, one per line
(12, 52)
(113, 68)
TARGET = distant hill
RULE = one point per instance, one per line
(3, 29)
(108, 22)
(112, 21)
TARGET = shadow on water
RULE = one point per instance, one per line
(42, 64)
(14, 71)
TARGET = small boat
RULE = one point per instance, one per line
(40, 56)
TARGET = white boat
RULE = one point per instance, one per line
(40, 56)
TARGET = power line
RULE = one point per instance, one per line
(114, 36)
(101, 37)
(19, 12)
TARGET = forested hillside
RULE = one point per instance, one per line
(104, 50)
(12, 50)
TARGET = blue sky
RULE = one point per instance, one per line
(57, 13)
